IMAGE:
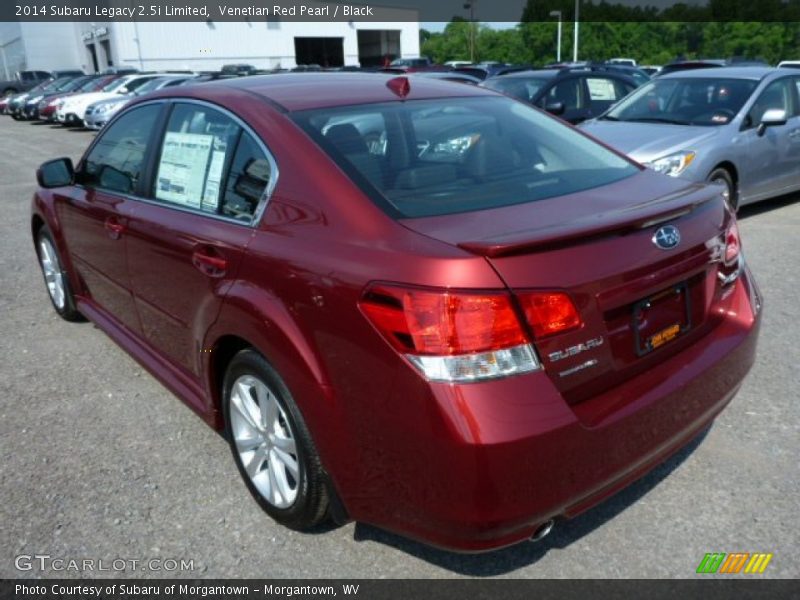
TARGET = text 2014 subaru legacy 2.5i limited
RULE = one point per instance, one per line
(417, 304)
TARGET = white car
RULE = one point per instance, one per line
(789, 64)
(71, 110)
(99, 113)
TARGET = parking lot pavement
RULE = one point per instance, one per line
(99, 461)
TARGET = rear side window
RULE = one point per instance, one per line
(249, 177)
(605, 91)
(569, 93)
(436, 157)
(115, 162)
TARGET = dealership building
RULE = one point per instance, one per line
(204, 45)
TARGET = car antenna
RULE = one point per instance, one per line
(400, 86)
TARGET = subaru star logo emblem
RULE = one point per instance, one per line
(667, 237)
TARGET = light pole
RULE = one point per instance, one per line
(575, 41)
(557, 13)
(470, 5)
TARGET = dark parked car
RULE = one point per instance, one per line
(23, 81)
(448, 76)
(47, 106)
(238, 70)
(411, 63)
(15, 102)
(472, 325)
(485, 70)
(39, 100)
(574, 94)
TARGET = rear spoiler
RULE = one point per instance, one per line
(618, 222)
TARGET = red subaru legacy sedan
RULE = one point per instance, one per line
(412, 303)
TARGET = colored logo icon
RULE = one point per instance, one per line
(735, 562)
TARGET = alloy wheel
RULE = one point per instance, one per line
(53, 275)
(264, 441)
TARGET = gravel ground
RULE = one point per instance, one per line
(98, 460)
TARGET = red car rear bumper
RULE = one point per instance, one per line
(513, 454)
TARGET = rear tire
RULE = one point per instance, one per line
(55, 277)
(721, 175)
(271, 445)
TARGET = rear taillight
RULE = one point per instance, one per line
(733, 245)
(452, 336)
(549, 313)
(733, 261)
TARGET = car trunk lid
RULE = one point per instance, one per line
(638, 303)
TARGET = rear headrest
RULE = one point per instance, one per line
(491, 156)
(421, 177)
(346, 138)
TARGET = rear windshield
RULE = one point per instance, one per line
(435, 157)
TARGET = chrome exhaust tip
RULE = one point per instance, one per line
(544, 529)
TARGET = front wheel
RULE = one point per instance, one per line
(722, 176)
(55, 277)
(271, 445)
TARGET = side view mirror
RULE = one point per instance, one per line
(771, 118)
(123, 90)
(555, 108)
(56, 173)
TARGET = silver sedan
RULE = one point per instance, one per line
(737, 126)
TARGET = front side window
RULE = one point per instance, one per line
(435, 157)
(115, 162)
(777, 95)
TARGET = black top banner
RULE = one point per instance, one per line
(399, 10)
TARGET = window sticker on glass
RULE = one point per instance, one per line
(601, 89)
(182, 169)
(211, 193)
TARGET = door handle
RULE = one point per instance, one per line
(209, 262)
(794, 133)
(114, 227)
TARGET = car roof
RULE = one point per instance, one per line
(755, 73)
(304, 91)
